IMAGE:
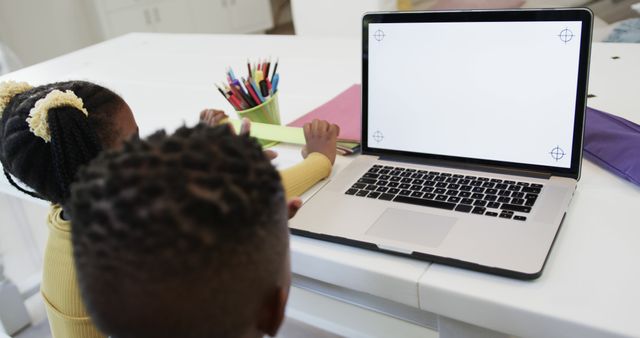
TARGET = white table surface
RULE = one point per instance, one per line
(590, 284)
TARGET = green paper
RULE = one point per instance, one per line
(272, 132)
(350, 145)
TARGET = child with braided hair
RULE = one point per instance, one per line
(48, 132)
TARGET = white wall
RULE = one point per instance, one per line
(334, 17)
(38, 30)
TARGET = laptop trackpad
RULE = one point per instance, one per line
(412, 227)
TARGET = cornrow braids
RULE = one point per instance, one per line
(185, 232)
(49, 168)
(21, 189)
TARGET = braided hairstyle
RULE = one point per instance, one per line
(49, 168)
(180, 235)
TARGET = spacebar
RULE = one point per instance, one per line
(423, 202)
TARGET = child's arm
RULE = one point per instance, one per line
(319, 154)
(302, 176)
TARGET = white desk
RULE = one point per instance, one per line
(590, 284)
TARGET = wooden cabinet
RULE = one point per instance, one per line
(208, 14)
(118, 17)
(123, 21)
(171, 16)
(243, 17)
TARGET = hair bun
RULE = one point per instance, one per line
(9, 89)
(38, 115)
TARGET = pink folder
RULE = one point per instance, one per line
(343, 110)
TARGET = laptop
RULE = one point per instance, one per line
(472, 127)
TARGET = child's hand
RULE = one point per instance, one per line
(245, 129)
(321, 138)
(293, 205)
(212, 117)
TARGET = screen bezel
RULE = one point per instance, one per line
(584, 15)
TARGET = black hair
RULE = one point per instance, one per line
(48, 168)
(178, 236)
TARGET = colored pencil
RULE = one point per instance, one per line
(257, 90)
(252, 92)
(266, 71)
(275, 69)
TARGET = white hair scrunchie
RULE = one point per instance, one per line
(9, 89)
(37, 119)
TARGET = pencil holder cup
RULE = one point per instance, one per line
(266, 112)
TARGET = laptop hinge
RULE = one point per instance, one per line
(467, 166)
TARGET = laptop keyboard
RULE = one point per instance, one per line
(469, 194)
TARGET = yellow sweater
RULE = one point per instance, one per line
(65, 310)
(67, 315)
(302, 176)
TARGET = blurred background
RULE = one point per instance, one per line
(32, 31)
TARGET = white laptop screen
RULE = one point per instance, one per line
(500, 91)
